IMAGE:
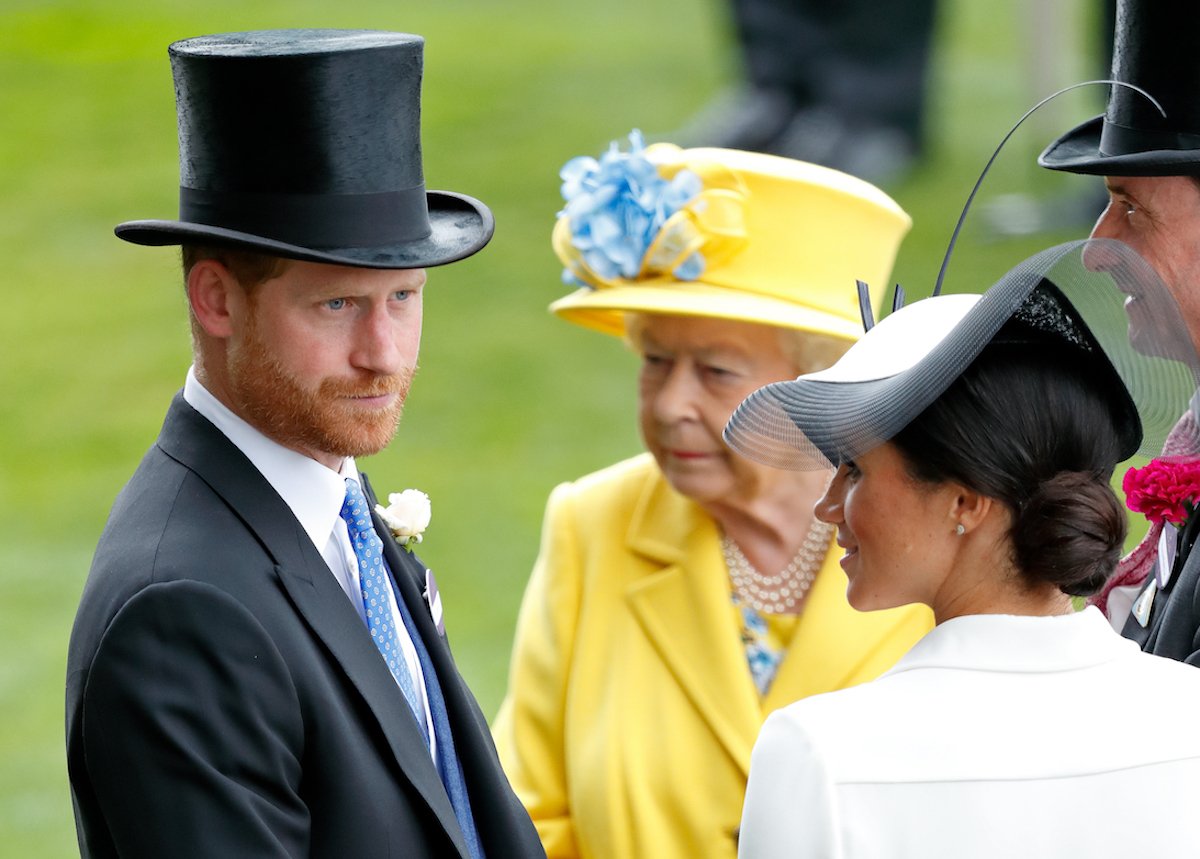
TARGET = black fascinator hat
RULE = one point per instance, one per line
(1154, 49)
(306, 144)
(1096, 297)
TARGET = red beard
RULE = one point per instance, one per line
(324, 420)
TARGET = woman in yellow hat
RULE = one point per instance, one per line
(681, 596)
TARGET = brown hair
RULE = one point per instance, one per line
(1033, 427)
(249, 267)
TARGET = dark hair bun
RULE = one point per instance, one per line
(1070, 533)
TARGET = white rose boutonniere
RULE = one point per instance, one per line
(407, 516)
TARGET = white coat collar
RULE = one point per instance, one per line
(1002, 642)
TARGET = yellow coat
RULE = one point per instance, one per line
(631, 712)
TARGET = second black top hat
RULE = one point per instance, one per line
(1155, 49)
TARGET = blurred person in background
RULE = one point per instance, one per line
(840, 84)
(1151, 167)
(682, 595)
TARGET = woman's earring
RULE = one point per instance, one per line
(960, 529)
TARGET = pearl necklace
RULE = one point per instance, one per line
(780, 593)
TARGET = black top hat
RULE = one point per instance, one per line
(307, 144)
(1155, 49)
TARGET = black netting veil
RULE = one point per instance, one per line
(1096, 295)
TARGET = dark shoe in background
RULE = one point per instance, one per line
(771, 121)
(738, 118)
(876, 153)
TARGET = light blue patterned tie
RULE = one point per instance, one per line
(373, 581)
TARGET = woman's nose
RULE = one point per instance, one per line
(829, 506)
(675, 398)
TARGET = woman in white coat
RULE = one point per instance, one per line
(975, 439)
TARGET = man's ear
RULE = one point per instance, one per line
(216, 298)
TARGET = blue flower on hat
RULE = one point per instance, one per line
(616, 207)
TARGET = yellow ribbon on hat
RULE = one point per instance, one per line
(712, 223)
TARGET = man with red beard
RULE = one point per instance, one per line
(257, 668)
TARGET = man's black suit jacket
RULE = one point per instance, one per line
(1174, 626)
(224, 698)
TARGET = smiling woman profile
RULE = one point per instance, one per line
(974, 440)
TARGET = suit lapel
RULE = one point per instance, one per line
(196, 443)
(1187, 541)
(684, 609)
(408, 573)
(471, 735)
(343, 634)
(1147, 637)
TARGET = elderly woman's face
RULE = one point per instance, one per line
(695, 372)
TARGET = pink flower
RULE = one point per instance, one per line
(1165, 490)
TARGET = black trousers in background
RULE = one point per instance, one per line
(865, 61)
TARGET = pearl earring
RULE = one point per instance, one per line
(959, 529)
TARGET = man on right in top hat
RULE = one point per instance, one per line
(1150, 161)
(258, 667)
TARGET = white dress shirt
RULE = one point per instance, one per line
(995, 736)
(315, 495)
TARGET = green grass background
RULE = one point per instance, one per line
(509, 401)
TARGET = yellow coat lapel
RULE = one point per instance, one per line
(685, 611)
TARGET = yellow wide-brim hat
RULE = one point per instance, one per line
(776, 241)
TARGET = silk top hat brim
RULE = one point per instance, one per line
(307, 144)
(1151, 123)
(1079, 151)
(458, 225)
(1096, 297)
